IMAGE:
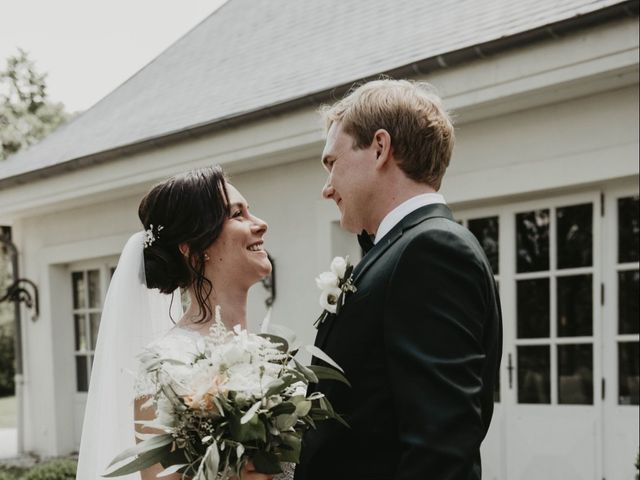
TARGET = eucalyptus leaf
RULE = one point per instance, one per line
(172, 469)
(141, 462)
(212, 460)
(306, 371)
(286, 421)
(302, 408)
(316, 352)
(278, 342)
(284, 407)
(251, 412)
(254, 429)
(326, 373)
(176, 401)
(292, 445)
(279, 384)
(142, 447)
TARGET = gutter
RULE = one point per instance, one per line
(629, 8)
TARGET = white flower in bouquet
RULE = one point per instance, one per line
(235, 396)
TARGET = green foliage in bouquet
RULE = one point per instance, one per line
(212, 435)
(59, 469)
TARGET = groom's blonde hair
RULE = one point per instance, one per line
(421, 130)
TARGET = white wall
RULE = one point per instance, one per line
(575, 142)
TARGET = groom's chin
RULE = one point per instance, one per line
(349, 227)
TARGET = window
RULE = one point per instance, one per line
(628, 277)
(554, 305)
(88, 290)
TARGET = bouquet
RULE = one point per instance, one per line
(239, 397)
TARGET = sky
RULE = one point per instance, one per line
(88, 48)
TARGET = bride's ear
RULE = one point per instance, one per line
(184, 249)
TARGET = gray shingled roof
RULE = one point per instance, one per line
(252, 54)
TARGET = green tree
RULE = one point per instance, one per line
(26, 114)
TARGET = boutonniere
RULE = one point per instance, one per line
(334, 285)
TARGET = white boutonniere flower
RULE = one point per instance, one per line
(334, 285)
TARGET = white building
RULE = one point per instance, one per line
(545, 171)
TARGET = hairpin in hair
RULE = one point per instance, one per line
(150, 236)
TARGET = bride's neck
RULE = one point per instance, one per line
(233, 309)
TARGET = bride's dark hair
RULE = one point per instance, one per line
(190, 208)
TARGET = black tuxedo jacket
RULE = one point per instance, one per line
(420, 341)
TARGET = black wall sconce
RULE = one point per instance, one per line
(22, 290)
(269, 282)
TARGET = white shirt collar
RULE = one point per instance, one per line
(405, 208)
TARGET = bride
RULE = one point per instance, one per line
(198, 236)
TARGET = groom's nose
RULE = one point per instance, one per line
(328, 190)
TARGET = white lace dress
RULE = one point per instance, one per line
(181, 344)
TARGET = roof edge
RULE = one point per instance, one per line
(626, 9)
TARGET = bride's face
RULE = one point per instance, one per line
(238, 256)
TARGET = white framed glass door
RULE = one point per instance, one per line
(89, 283)
(621, 328)
(553, 350)
(548, 417)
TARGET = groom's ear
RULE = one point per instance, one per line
(382, 145)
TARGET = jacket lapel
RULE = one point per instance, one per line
(414, 218)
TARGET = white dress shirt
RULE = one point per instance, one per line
(405, 208)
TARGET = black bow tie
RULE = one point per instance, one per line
(365, 241)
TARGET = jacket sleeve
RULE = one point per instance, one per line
(433, 330)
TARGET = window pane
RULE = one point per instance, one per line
(575, 306)
(628, 373)
(93, 277)
(94, 320)
(628, 314)
(575, 374)
(533, 308)
(79, 290)
(628, 227)
(534, 384)
(82, 375)
(486, 231)
(532, 241)
(575, 236)
(81, 332)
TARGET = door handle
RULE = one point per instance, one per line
(510, 370)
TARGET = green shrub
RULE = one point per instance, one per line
(60, 469)
(7, 476)
(11, 472)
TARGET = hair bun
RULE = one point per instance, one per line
(165, 270)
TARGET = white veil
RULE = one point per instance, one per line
(132, 317)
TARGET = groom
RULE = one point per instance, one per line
(421, 338)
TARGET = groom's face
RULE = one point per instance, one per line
(349, 178)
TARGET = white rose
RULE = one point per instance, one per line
(327, 280)
(329, 299)
(339, 267)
